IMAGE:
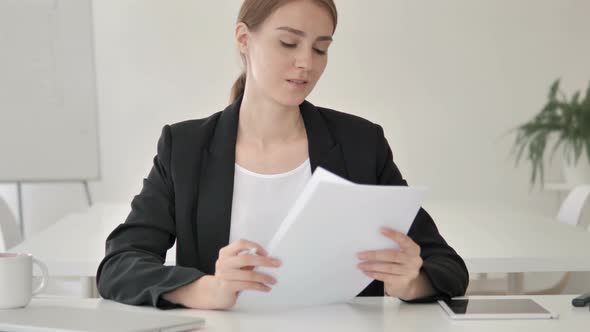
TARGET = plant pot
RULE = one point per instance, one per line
(577, 174)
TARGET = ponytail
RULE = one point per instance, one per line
(238, 88)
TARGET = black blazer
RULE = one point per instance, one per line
(187, 197)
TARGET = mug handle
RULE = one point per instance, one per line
(44, 278)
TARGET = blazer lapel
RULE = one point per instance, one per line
(216, 184)
(324, 151)
(216, 178)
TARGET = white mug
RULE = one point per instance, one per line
(16, 280)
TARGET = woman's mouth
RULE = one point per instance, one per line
(297, 83)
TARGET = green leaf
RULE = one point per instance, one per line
(557, 145)
(576, 98)
(569, 118)
(520, 151)
(553, 89)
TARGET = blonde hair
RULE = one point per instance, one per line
(253, 13)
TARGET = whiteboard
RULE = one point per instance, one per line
(48, 116)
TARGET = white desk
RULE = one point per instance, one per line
(494, 238)
(490, 239)
(362, 314)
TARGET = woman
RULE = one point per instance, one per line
(214, 180)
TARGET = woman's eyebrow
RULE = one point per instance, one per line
(303, 34)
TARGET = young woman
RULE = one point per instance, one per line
(214, 180)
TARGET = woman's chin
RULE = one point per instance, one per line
(291, 99)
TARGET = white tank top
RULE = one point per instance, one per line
(261, 201)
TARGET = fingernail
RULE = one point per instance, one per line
(273, 281)
(276, 262)
(362, 255)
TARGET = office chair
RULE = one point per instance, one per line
(569, 214)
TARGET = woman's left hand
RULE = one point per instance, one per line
(398, 269)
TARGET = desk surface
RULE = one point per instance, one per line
(362, 314)
(489, 238)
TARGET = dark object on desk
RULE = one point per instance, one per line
(582, 300)
(491, 308)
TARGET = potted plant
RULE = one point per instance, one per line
(569, 122)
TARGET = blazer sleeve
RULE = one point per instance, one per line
(444, 268)
(132, 270)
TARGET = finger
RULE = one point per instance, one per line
(241, 275)
(240, 245)
(238, 262)
(386, 255)
(394, 269)
(385, 277)
(405, 242)
(388, 278)
(237, 286)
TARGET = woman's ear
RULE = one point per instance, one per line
(242, 35)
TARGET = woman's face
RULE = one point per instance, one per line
(287, 54)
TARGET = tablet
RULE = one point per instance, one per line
(496, 308)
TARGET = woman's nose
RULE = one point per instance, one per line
(304, 59)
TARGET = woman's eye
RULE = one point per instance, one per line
(320, 52)
(288, 45)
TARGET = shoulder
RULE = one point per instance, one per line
(340, 120)
(183, 139)
(349, 128)
(362, 142)
(195, 129)
(193, 134)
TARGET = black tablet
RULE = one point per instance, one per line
(496, 308)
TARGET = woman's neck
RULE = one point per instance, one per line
(263, 122)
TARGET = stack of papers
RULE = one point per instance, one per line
(331, 221)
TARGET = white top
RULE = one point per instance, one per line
(262, 201)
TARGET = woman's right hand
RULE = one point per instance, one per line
(233, 274)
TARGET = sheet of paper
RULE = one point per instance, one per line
(331, 221)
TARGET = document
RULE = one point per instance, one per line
(330, 222)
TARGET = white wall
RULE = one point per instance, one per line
(446, 79)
